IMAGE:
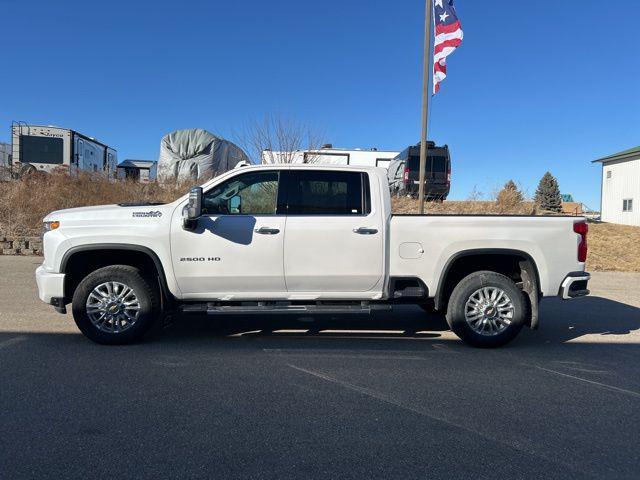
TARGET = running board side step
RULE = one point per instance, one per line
(278, 308)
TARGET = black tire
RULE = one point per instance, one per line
(465, 289)
(144, 290)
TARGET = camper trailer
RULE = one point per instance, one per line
(327, 155)
(42, 148)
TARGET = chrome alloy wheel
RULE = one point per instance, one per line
(489, 311)
(113, 307)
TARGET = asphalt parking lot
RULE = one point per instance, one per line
(387, 396)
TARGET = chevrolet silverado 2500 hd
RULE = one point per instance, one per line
(301, 238)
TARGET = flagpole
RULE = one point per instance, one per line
(425, 102)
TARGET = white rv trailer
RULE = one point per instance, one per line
(45, 148)
(327, 155)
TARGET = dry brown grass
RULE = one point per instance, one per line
(613, 248)
(24, 203)
(468, 207)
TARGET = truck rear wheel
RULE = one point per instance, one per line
(115, 305)
(486, 309)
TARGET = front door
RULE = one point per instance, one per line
(236, 251)
(334, 238)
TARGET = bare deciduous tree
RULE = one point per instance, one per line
(278, 140)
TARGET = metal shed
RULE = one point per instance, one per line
(620, 199)
(138, 170)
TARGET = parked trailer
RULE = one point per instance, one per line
(41, 148)
(327, 155)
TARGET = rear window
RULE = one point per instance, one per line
(41, 149)
(436, 164)
(327, 193)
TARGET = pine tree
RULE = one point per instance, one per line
(510, 189)
(548, 193)
(509, 198)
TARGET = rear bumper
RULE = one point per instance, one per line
(574, 285)
(50, 285)
(430, 189)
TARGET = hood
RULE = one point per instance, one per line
(111, 214)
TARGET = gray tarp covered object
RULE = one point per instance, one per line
(196, 154)
(395, 174)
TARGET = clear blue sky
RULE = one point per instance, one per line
(535, 86)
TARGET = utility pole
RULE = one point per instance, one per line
(425, 102)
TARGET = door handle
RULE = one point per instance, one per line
(365, 231)
(267, 231)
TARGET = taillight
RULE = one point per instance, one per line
(448, 177)
(581, 228)
(405, 176)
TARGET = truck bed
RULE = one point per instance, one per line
(423, 245)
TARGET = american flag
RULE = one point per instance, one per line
(448, 37)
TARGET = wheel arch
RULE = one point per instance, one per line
(80, 260)
(483, 259)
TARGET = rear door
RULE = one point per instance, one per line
(437, 167)
(79, 156)
(334, 238)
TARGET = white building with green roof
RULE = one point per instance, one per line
(620, 198)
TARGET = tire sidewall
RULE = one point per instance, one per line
(130, 277)
(461, 293)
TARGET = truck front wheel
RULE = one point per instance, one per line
(486, 309)
(115, 305)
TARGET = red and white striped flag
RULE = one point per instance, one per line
(448, 37)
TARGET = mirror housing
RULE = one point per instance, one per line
(193, 210)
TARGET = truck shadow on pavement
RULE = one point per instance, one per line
(598, 318)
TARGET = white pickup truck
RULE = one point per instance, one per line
(301, 238)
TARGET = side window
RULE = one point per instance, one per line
(41, 149)
(383, 162)
(327, 193)
(254, 193)
(627, 205)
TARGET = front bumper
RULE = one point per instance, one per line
(50, 285)
(575, 285)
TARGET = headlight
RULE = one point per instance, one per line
(48, 226)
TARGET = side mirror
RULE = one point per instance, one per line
(235, 205)
(193, 211)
